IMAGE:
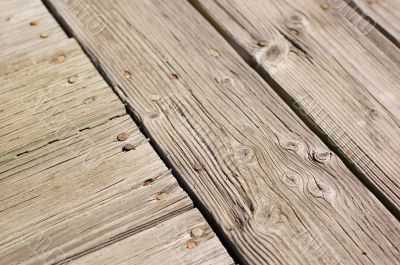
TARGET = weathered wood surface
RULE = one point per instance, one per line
(276, 191)
(79, 194)
(68, 185)
(185, 239)
(49, 94)
(385, 13)
(26, 25)
(334, 72)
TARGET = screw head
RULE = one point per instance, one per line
(196, 232)
(61, 57)
(148, 182)
(191, 244)
(198, 167)
(72, 79)
(122, 136)
(214, 53)
(325, 6)
(34, 22)
(44, 35)
(174, 77)
(127, 74)
(128, 147)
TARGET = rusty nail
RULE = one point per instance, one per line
(34, 22)
(148, 182)
(191, 244)
(72, 79)
(161, 196)
(44, 35)
(128, 147)
(325, 6)
(196, 232)
(174, 77)
(127, 74)
(262, 43)
(198, 167)
(122, 136)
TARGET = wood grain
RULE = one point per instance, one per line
(335, 74)
(385, 13)
(17, 34)
(185, 239)
(82, 193)
(279, 195)
(40, 103)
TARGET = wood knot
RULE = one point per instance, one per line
(244, 154)
(291, 145)
(290, 179)
(318, 189)
(274, 53)
(321, 158)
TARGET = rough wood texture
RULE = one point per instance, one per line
(278, 194)
(49, 94)
(185, 239)
(26, 25)
(76, 174)
(385, 13)
(336, 75)
(79, 194)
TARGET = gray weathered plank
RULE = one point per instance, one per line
(185, 239)
(344, 81)
(26, 25)
(82, 193)
(277, 192)
(40, 103)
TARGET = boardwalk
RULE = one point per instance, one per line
(280, 121)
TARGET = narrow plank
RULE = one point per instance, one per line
(82, 193)
(50, 94)
(384, 13)
(334, 73)
(26, 25)
(185, 239)
(279, 195)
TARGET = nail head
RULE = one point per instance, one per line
(122, 136)
(128, 147)
(72, 79)
(198, 167)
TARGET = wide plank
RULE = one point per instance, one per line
(277, 193)
(331, 73)
(185, 239)
(74, 196)
(49, 94)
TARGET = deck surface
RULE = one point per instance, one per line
(69, 190)
(281, 121)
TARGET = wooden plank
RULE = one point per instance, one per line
(185, 239)
(26, 25)
(50, 94)
(385, 14)
(82, 193)
(336, 76)
(277, 192)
